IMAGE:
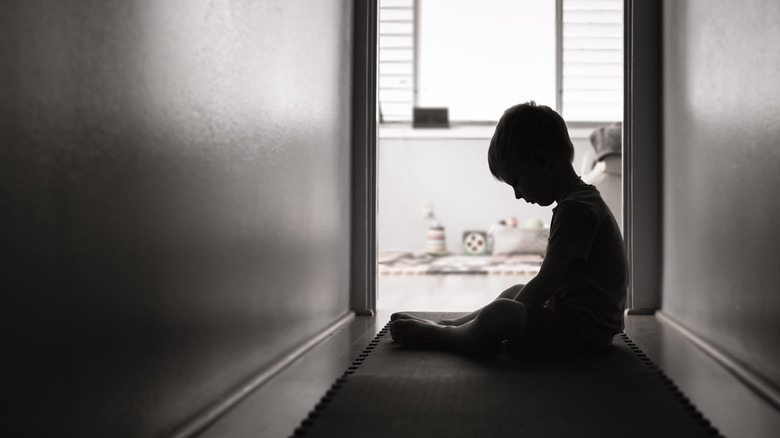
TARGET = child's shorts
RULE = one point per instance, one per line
(551, 331)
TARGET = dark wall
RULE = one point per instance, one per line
(721, 170)
(174, 192)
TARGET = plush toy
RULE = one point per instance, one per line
(531, 238)
(511, 221)
(533, 224)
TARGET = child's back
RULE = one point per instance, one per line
(594, 288)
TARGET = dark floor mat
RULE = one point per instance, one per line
(390, 391)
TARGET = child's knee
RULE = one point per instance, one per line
(504, 316)
(512, 292)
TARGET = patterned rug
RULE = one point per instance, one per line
(404, 263)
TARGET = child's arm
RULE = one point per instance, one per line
(546, 282)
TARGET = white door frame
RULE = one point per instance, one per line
(642, 156)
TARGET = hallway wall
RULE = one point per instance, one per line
(174, 198)
(721, 158)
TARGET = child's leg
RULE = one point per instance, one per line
(510, 293)
(548, 332)
(502, 319)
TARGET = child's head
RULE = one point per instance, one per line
(522, 129)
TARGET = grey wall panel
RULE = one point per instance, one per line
(643, 153)
(721, 160)
(174, 198)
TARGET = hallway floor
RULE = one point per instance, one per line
(277, 408)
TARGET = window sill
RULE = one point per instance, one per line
(404, 131)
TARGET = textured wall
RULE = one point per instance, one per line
(721, 160)
(174, 198)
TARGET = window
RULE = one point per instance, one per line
(396, 60)
(592, 76)
(479, 57)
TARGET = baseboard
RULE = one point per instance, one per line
(202, 420)
(752, 380)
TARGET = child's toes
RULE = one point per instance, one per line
(398, 329)
(393, 332)
(399, 315)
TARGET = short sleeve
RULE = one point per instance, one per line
(572, 231)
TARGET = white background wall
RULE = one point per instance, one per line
(418, 166)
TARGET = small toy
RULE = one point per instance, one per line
(437, 243)
(475, 242)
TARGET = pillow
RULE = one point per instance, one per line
(512, 240)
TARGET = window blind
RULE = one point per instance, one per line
(592, 76)
(396, 60)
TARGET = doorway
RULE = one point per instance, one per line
(434, 190)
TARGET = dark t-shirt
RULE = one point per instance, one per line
(593, 291)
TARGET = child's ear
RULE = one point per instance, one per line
(541, 158)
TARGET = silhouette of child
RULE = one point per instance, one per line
(576, 301)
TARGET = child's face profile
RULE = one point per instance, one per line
(529, 182)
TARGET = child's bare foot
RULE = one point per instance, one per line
(395, 317)
(400, 315)
(415, 332)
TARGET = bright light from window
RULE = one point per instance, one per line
(480, 57)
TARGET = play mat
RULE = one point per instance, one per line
(406, 263)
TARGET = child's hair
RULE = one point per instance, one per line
(525, 126)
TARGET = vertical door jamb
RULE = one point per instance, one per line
(363, 214)
(642, 153)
